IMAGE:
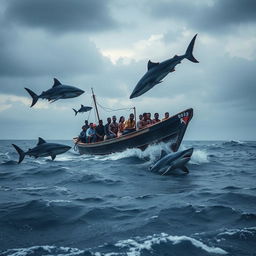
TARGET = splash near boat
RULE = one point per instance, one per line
(171, 130)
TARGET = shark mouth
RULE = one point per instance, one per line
(188, 153)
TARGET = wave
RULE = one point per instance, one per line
(157, 244)
(151, 153)
(240, 234)
(199, 157)
(136, 246)
(234, 143)
(51, 213)
(44, 250)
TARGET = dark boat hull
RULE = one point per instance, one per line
(172, 129)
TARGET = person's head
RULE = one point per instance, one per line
(131, 116)
(166, 115)
(109, 120)
(86, 122)
(91, 125)
(156, 115)
(140, 117)
(100, 122)
(121, 119)
(114, 119)
(149, 115)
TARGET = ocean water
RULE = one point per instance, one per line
(113, 205)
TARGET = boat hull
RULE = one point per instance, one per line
(172, 129)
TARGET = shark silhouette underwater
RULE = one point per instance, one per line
(157, 71)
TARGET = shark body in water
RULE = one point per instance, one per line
(172, 161)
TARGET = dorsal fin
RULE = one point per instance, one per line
(40, 141)
(82, 105)
(56, 82)
(152, 64)
(163, 154)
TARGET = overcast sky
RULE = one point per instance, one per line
(107, 44)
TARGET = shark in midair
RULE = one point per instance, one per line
(82, 109)
(58, 91)
(157, 71)
(42, 149)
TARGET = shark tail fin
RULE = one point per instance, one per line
(33, 95)
(189, 51)
(75, 111)
(20, 152)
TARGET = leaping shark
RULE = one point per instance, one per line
(82, 109)
(172, 161)
(58, 91)
(42, 149)
(157, 71)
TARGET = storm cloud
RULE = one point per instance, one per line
(60, 16)
(211, 16)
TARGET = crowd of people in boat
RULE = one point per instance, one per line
(93, 133)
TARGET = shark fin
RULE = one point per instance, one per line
(56, 82)
(163, 154)
(166, 171)
(185, 169)
(82, 105)
(53, 157)
(40, 141)
(33, 95)
(152, 64)
(75, 111)
(189, 51)
(20, 152)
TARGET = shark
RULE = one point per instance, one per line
(58, 91)
(172, 161)
(82, 109)
(157, 71)
(42, 149)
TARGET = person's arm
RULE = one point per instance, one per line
(109, 129)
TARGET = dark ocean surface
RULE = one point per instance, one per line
(113, 205)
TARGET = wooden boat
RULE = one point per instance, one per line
(171, 129)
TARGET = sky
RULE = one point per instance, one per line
(106, 44)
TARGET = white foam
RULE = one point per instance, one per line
(56, 201)
(196, 243)
(32, 188)
(48, 249)
(135, 247)
(152, 153)
(199, 157)
(241, 232)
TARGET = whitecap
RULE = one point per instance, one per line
(136, 246)
(151, 153)
(199, 157)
